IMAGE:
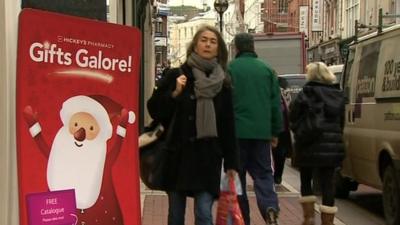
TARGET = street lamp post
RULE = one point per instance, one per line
(221, 6)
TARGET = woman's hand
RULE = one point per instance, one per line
(274, 142)
(180, 84)
(231, 173)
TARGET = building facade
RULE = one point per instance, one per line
(254, 15)
(160, 23)
(298, 13)
(182, 33)
(329, 25)
(275, 16)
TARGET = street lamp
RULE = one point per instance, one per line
(221, 6)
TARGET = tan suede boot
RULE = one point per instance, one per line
(307, 203)
(328, 214)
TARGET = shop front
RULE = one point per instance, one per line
(313, 54)
(330, 52)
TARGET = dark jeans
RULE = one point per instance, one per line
(255, 158)
(203, 202)
(326, 182)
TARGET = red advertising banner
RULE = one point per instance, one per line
(77, 97)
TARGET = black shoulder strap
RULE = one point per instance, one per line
(172, 123)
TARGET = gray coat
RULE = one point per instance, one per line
(194, 164)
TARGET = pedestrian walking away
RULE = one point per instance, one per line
(199, 95)
(316, 118)
(258, 119)
(284, 147)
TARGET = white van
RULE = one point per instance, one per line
(372, 122)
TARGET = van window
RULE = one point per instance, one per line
(367, 70)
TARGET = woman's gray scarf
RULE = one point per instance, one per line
(205, 88)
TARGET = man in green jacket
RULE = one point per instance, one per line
(258, 120)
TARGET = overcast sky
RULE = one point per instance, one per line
(197, 3)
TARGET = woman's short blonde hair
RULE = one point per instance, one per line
(318, 71)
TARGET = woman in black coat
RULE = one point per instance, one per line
(198, 95)
(316, 117)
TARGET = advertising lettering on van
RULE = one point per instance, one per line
(391, 76)
(366, 86)
(393, 113)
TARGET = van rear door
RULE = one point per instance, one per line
(360, 114)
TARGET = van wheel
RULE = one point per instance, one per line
(343, 185)
(391, 196)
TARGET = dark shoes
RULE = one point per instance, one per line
(278, 180)
(272, 217)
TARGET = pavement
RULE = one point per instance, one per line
(155, 206)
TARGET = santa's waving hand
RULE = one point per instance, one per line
(124, 118)
(35, 130)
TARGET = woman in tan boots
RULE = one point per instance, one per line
(316, 117)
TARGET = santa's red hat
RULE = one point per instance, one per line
(101, 107)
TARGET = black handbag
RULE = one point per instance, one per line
(154, 148)
(154, 152)
(308, 128)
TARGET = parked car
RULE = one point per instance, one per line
(371, 83)
(291, 84)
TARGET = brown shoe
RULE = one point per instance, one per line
(272, 217)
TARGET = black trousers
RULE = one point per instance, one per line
(326, 181)
(280, 153)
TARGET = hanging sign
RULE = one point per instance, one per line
(303, 19)
(317, 15)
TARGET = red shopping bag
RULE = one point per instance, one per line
(228, 211)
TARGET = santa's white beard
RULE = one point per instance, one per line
(79, 168)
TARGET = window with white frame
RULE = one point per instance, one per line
(283, 6)
(369, 14)
(352, 14)
(392, 10)
(159, 25)
(398, 11)
(262, 12)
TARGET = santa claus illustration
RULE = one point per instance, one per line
(78, 158)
